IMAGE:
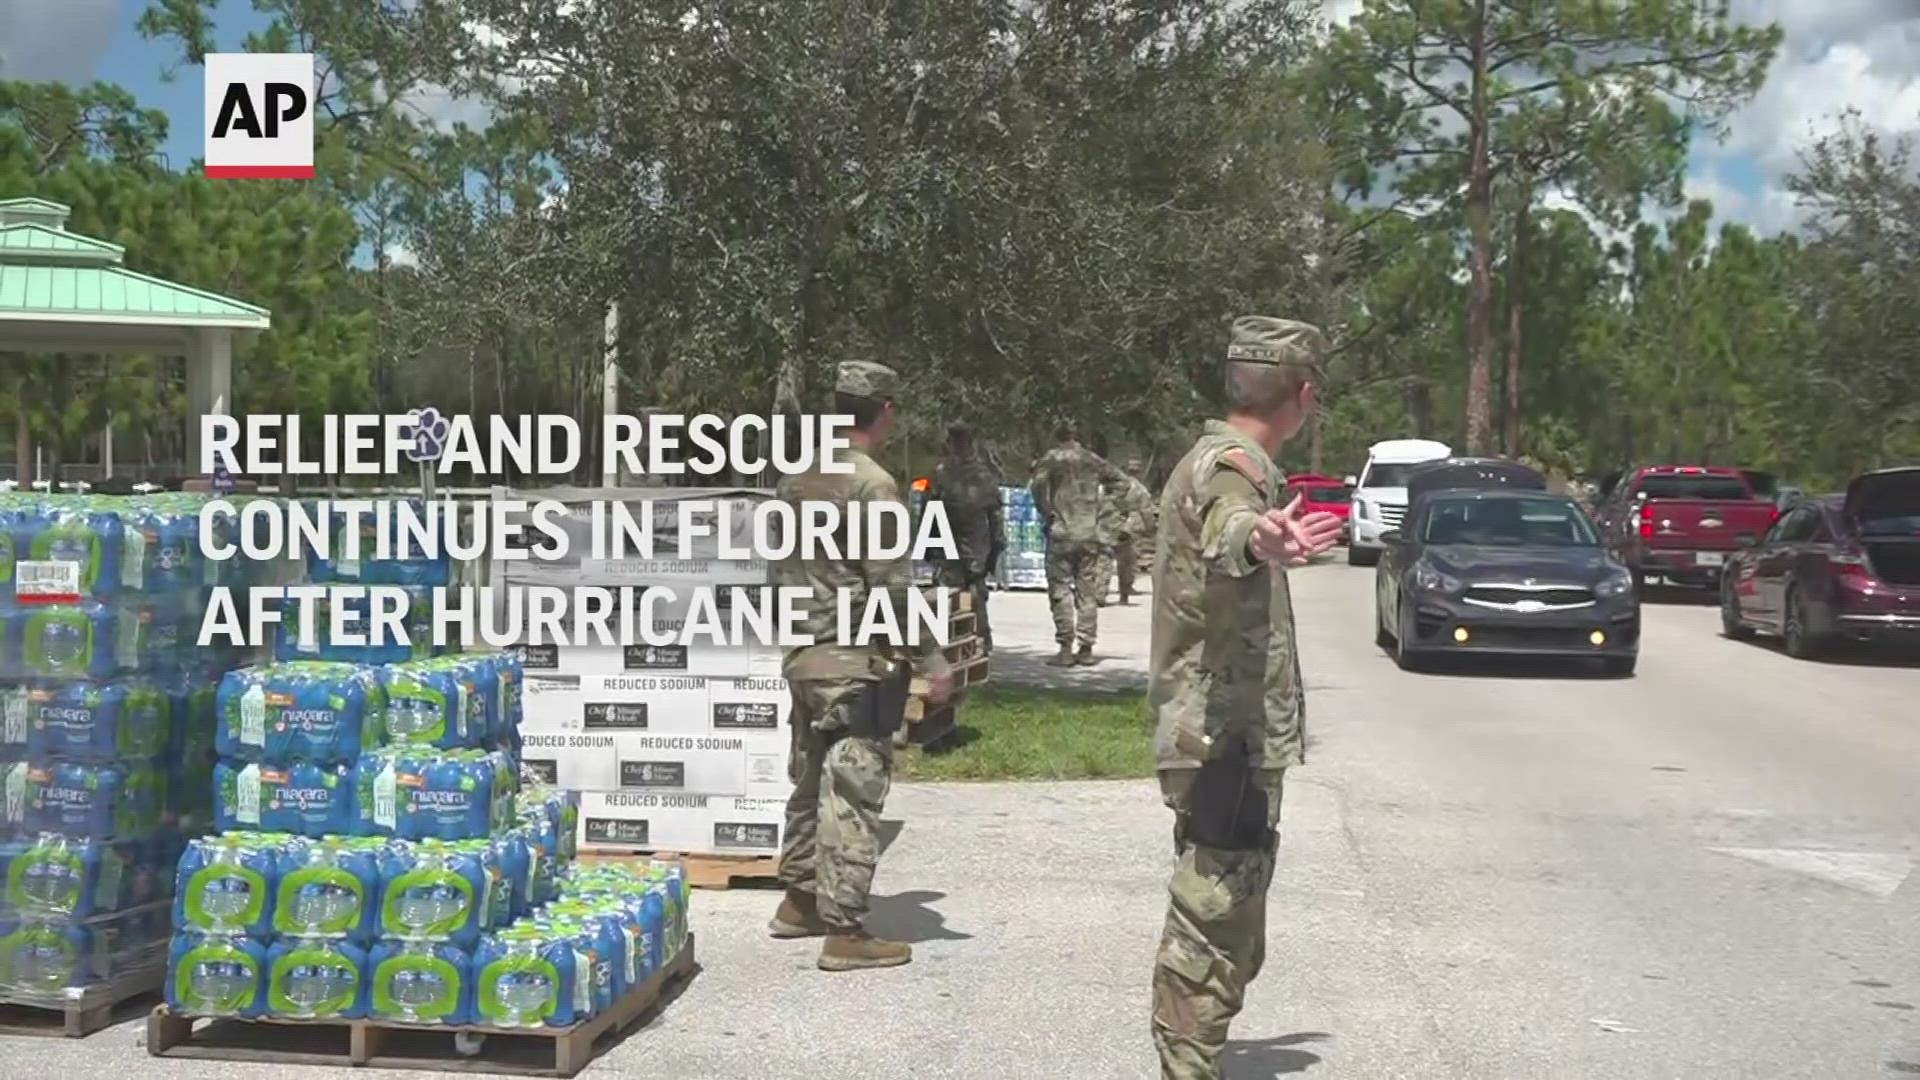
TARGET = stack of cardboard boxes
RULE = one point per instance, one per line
(672, 748)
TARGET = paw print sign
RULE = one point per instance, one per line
(429, 435)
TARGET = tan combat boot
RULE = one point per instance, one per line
(798, 916)
(856, 950)
(1085, 656)
(1063, 658)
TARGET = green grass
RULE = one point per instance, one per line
(1017, 733)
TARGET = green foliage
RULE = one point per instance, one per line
(1035, 210)
(1593, 97)
(283, 246)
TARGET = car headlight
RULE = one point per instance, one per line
(1427, 578)
(1360, 509)
(1618, 583)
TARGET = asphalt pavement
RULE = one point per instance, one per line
(1703, 871)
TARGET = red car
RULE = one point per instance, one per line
(1833, 568)
(1326, 493)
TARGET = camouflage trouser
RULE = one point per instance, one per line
(1126, 565)
(959, 575)
(840, 785)
(1215, 938)
(1074, 590)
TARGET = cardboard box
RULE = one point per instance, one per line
(658, 704)
(760, 711)
(607, 761)
(749, 704)
(688, 823)
(550, 703)
(608, 704)
(693, 764)
(767, 759)
(575, 762)
(739, 661)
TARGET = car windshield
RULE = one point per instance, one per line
(1388, 474)
(1542, 521)
(1678, 486)
(1324, 493)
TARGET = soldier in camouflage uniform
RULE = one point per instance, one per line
(1225, 685)
(1136, 519)
(1107, 535)
(1066, 490)
(847, 702)
(967, 486)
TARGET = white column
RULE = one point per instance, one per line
(209, 386)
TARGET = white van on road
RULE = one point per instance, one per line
(1380, 498)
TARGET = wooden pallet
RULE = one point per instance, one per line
(935, 726)
(703, 871)
(385, 1044)
(63, 1016)
(962, 599)
(972, 672)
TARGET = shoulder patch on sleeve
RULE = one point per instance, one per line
(1242, 462)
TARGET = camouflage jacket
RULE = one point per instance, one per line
(1112, 512)
(971, 494)
(1066, 489)
(1222, 659)
(828, 657)
(1133, 506)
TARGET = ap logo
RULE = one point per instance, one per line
(259, 115)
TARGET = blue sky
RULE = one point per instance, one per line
(1839, 55)
(81, 40)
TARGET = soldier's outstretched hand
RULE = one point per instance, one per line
(1273, 536)
(1306, 536)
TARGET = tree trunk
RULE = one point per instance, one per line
(1420, 407)
(1516, 310)
(1479, 208)
(22, 444)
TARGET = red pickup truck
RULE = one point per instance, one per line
(1680, 522)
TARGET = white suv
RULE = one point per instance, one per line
(1380, 498)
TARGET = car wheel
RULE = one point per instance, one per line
(1405, 658)
(1731, 623)
(1802, 643)
(1619, 667)
(1640, 586)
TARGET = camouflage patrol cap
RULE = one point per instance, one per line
(864, 378)
(1259, 339)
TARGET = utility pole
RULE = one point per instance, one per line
(610, 390)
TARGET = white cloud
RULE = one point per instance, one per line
(442, 108)
(62, 40)
(1340, 11)
(1836, 56)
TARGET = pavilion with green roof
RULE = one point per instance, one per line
(61, 292)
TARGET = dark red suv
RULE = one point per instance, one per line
(1832, 568)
